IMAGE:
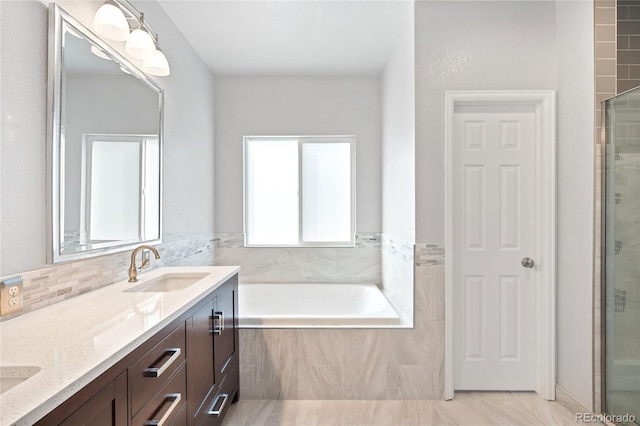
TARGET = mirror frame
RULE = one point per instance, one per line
(58, 17)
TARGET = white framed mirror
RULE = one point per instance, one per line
(104, 154)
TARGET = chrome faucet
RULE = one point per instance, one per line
(133, 270)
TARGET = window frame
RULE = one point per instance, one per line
(350, 139)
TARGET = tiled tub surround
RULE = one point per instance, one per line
(75, 341)
(354, 364)
(302, 264)
(376, 258)
(397, 275)
(55, 283)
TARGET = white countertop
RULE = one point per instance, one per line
(75, 341)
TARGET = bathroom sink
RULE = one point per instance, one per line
(173, 281)
(11, 377)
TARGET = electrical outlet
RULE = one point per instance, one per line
(11, 296)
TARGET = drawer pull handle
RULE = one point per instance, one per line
(219, 328)
(217, 412)
(157, 371)
(176, 401)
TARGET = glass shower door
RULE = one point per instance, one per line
(622, 257)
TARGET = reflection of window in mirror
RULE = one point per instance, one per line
(299, 191)
(119, 188)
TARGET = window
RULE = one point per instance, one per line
(299, 191)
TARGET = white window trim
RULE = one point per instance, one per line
(351, 139)
(88, 139)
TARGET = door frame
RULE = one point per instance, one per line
(543, 103)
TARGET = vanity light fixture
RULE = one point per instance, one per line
(156, 64)
(141, 43)
(111, 23)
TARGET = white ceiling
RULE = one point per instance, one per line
(291, 37)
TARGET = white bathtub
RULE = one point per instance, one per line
(304, 305)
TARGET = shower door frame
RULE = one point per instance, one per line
(603, 255)
(604, 234)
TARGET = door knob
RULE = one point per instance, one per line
(527, 262)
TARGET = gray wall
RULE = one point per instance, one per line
(575, 56)
(23, 85)
(297, 106)
(189, 131)
(472, 45)
(398, 173)
(398, 138)
(488, 45)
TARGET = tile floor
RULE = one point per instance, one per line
(472, 408)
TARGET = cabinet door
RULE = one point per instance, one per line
(106, 408)
(200, 377)
(225, 337)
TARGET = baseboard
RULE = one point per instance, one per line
(570, 403)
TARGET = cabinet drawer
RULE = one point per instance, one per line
(153, 369)
(167, 404)
(181, 418)
(220, 400)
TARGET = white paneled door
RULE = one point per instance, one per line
(493, 230)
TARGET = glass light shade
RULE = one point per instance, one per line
(156, 65)
(99, 52)
(111, 23)
(140, 45)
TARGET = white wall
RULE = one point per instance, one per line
(471, 45)
(484, 45)
(189, 131)
(297, 106)
(574, 21)
(398, 138)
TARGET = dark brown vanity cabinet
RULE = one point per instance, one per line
(186, 374)
(213, 363)
(108, 407)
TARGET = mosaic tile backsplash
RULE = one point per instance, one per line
(55, 283)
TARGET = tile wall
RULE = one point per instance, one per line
(295, 264)
(358, 363)
(52, 284)
(628, 48)
(397, 275)
(301, 363)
